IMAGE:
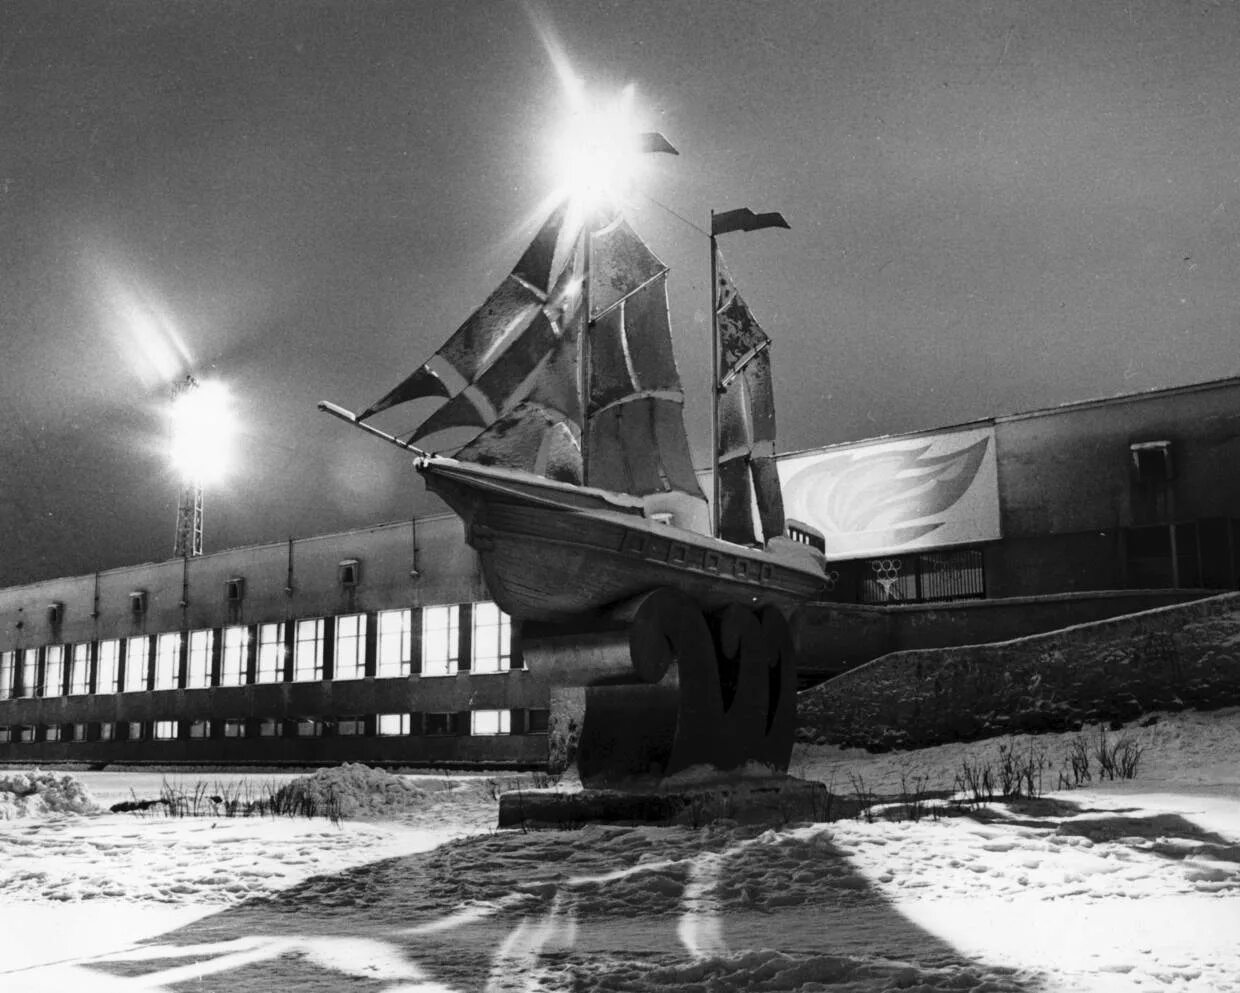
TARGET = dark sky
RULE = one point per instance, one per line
(995, 207)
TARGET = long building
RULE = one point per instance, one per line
(376, 644)
(381, 645)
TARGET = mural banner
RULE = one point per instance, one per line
(899, 495)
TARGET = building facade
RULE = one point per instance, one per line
(377, 645)
(1132, 492)
(381, 645)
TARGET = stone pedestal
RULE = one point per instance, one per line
(775, 800)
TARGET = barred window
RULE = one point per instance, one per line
(441, 640)
(351, 646)
(108, 667)
(394, 655)
(136, 651)
(198, 668)
(948, 574)
(79, 669)
(233, 656)
(270, 653)
(492, 639)
(167, 660)
(54, 671)
(308, 650)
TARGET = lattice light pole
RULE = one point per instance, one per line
(188, 540)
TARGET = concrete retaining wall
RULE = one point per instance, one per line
(834, 637)
(1186, 655)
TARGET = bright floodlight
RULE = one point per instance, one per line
(202, 433)
(598, 152)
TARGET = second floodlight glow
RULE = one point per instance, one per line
(202, 433)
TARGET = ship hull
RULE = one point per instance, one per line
(552, 552)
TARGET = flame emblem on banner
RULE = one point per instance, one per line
(885, 499)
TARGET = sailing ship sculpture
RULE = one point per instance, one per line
(578, 492)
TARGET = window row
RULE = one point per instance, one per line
(480, 723)
(429, 641)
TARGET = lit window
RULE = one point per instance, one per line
(167, 660)
(136, 650)
(392, 724)
(54, 671)
(79, 669)
(394, 654)
(29, 670)
(270, 727)
(490, 722)
(5, 735)
(198, 669)
(308, 650)
(108, 667)
(270, 653)
(107, 731)
(232, 657)
(166, 730)
(492, 640)
(234, 729)
(51, 732)
(77, 732)
(351, 646)
(8, 674)
(441, 640)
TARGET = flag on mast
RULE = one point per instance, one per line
(744, 219)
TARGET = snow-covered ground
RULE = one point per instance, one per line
(1112, 886)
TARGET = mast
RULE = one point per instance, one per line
(714, 380)
(583, 346)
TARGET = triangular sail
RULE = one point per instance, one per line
(509, 309)
(745, 446)
(635, 433)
